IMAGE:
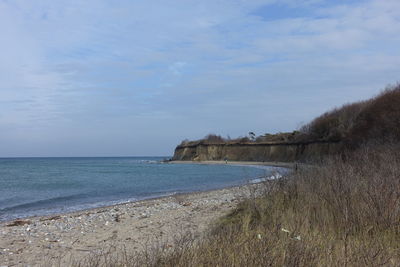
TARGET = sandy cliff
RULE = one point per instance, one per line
(283, 152)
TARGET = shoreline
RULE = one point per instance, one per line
(111, 206)
(221, 162)
(236, 163)
(133, 225)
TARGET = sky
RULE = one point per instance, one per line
(135, 78)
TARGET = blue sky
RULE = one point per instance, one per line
(121, 78)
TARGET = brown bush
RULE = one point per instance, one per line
(374, 120)
(334, 125)
(379, 120)
(278, 137)
(213, 138)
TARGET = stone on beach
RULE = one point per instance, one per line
(49, 236)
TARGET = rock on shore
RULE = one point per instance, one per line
(72, 237)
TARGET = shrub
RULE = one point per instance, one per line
(213, 138)
(374, 120)
(379, 120)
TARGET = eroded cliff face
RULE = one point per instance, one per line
(281, 152)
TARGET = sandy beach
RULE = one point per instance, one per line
(135, 226)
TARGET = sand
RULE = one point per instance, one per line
(135, 226)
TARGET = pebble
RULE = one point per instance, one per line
(38, 232)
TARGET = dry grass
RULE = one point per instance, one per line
(344, 212)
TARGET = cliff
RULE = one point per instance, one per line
(373, 121)
(282, 152)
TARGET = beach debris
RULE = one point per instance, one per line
(297, 238)
(19, 223)
(275, 175)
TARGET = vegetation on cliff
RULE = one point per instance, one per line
(373, 120)
(369, 121)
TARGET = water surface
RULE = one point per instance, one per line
(42, 186)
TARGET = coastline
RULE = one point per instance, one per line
(133, 225)
(221, 162)
(166, 195)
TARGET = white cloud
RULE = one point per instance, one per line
(85, 65)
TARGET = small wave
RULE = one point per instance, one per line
(274, 176)
(41, 203)
(147, 161)
(152, 161)
(39, 208)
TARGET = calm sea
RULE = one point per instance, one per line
(42, 186)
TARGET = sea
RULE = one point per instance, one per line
(44, 186)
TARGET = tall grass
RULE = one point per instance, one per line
(344, 212)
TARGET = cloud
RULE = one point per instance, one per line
(130, 70)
